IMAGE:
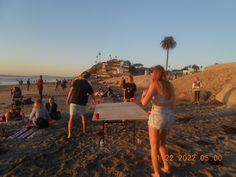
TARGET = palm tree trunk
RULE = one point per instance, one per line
(167, 56)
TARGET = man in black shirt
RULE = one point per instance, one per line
(78, 98)
(129, 89)
(51, 107)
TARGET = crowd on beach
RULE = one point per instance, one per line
(160, 94)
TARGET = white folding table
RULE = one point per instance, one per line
(118, 112)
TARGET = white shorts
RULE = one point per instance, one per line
(161, 118)
(76, 109)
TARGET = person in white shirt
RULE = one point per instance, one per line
(197, 85)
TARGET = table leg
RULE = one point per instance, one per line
(103, 133)
(134, 132)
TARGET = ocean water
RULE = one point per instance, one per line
(14, 80)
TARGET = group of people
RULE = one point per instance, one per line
(41, 114)
(108, 93)
(27, 82)
(160, 94)
(62, 83)
(49, 111)
(13, 114)
(128, 88)
(40, 84)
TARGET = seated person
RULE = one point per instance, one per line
(16, 95)
(39, 115)
(109, 92)
(99, 93)
(12, 114)
(16, 92)
(51, 107)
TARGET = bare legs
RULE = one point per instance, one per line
(162, 150)
(154, 142)
(157, 141)
(9, 116)
(70, 125)
(84, 124)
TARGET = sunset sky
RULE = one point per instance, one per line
(56, 37)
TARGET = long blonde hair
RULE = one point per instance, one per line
(37, 104)
(166, 89)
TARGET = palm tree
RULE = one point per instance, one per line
(168, 43)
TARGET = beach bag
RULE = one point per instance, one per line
(41, 123)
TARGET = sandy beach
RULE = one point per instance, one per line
(208, 129)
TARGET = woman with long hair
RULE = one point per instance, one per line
(39, 114)
(161, 94)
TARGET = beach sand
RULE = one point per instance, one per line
(208, 129)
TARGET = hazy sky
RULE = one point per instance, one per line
(58, 37)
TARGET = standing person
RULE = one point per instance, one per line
(123, 81)
(63, 85)
(197, 85)
(161, 94)
(28, 84)
(129, 89)
(57, 84)
(40, 87)
(77, 99)
(21, 83)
